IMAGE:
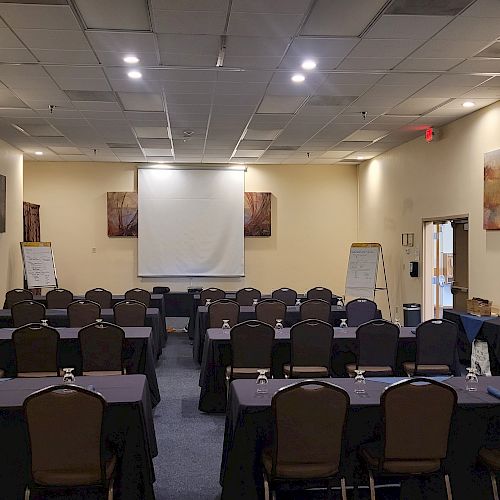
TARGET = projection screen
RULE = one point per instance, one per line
(191, 222)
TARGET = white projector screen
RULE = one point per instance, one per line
(191, 222)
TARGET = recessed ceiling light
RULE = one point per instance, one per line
(134, 74)
(131, 59)
(38, 153)
(298, 78)
(308, 64)
(360, 157)
(468, 104)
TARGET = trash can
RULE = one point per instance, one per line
(412, 314)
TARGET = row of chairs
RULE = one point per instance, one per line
(311, 347)
(309, 419)
(358, 311)
(36, 349)
(80, 313)
(247, 296)
(60, 298)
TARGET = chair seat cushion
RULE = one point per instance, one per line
(298, 470)
(246, 372)
(370, 371)
(491, 458)
(103, 373)
(37, 374)
(372, 456)
(306, 371)
(409, 368)
(75, 477)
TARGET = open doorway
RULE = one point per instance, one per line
(446, 266)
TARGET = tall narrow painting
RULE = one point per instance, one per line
(257, 214)
(3, 202)
(122, 214)
(491, 209)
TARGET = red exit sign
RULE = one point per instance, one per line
(429, 134)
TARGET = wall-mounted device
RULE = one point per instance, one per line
(414, 269)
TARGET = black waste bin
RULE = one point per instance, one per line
(412, 314)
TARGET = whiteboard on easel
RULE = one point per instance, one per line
(362, 269)
(39, 267)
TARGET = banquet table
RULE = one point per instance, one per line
(248, 430)
(217, 355)
(59, 318)
(128, 428)
(491, 333)
(138, 354)
(157, 301)
(248, 312)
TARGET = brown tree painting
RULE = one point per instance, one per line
(257, 214)
(122, 214)
(491, 210)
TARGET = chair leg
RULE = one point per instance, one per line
(448, 487)
(267, 495)
(111, 490)
(343, 488)
(372, 486)
(27, 493)
(494, 485)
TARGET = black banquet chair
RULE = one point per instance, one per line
(246, 296)
(59, 298)
(286, 295)
(211, 294)
(490, 457)
(436, 349)
(140, 295)
(17, 295)
(223, 309)
(83, 312)
(129, 313)
(270, 310)
(377, 343)
(359, 311)
(309, 419)
(100, 295)
(27, 311)
(315, 309)
(320, 292)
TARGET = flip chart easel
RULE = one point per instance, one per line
(362, 271)
(39, 266)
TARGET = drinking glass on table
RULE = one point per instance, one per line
(297, 302)
(208, 302)
(225, 324)
(279, 324)
(68, 377)
(343, 323)
(255, 302)
(262, 382)
(471, 380)
(44, 322)
(339, 302)
(359, 382)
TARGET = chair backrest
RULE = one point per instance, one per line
(320, 292)
(27, 311)
(315, 309)
(211, 293)
(161, 289)
(359, 311)
(417, 417)
(83, 312)
(223, 309)
(139, 295)
(101, 346)
(36, 349)
(17, 295)
(65, 432)
(246, 296)
(102, 296)
(252, 345)
(286, 295)
(377, 343)
(309, 419)
(311, 343)
(59, 298)
(130, 313)
(436, 342)
(269, 310)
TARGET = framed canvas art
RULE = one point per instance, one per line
(491, 207)
(122, 214)
(3, 202)
(257, 214)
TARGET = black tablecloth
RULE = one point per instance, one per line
(246, 313)
(249, 427)
(128, 426)
(59, 318)
(217, 355)
(157, 301)
(138, 354)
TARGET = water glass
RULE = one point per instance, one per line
(68, 377)
(339, 302)
(397, 322)
(297, 302)
(471, 380)
(255, 302)
(359, 382)
(279, 324)
(262, 382)
(208, 302)
(343, 323)
(44, 322)
(225, 324)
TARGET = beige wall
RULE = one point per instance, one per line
(11, 274)
(419, 180)
(314, 221)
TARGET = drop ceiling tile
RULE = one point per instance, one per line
(422, 64)
(53, 39)
(96, 106)
(459, 80)
(256, 46)
(373, 63)
(8, 40)
(176, 110)
(248, 153)
(263, 24)
(367, 135)
(155, 143)
(262, 135)
(237, 100)
(484, 8)
(66, 150)
(322, 63)
(204, 99)
(280, 104)
(484, 91)
(312, 47)
(341, 18)
(65, 56)
(232, 110)
(151, 132)
(102, 115)
(124, 43)
(331, 89)
(465, 28)
(188, 75)
(136, 101)
(478, 66)
(351, 145)
(83, 84)
(133, 14)
(190, 22)
(9, 100)
(115, 58)
(417, 105)
(247, 76)
(408, 79)
(385, 47)
(16, 56)
(441, 91)
(252, 62)
(438, 48)
(129, 85)
(38, 16)
(233, 88)
(428, 7)
(414, 27)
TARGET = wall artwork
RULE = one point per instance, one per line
(122, 214)
(257, 214)
(3, 202)
(491, 209)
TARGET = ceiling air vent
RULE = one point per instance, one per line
(428, 7)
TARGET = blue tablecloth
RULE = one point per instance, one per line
(473, 324)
